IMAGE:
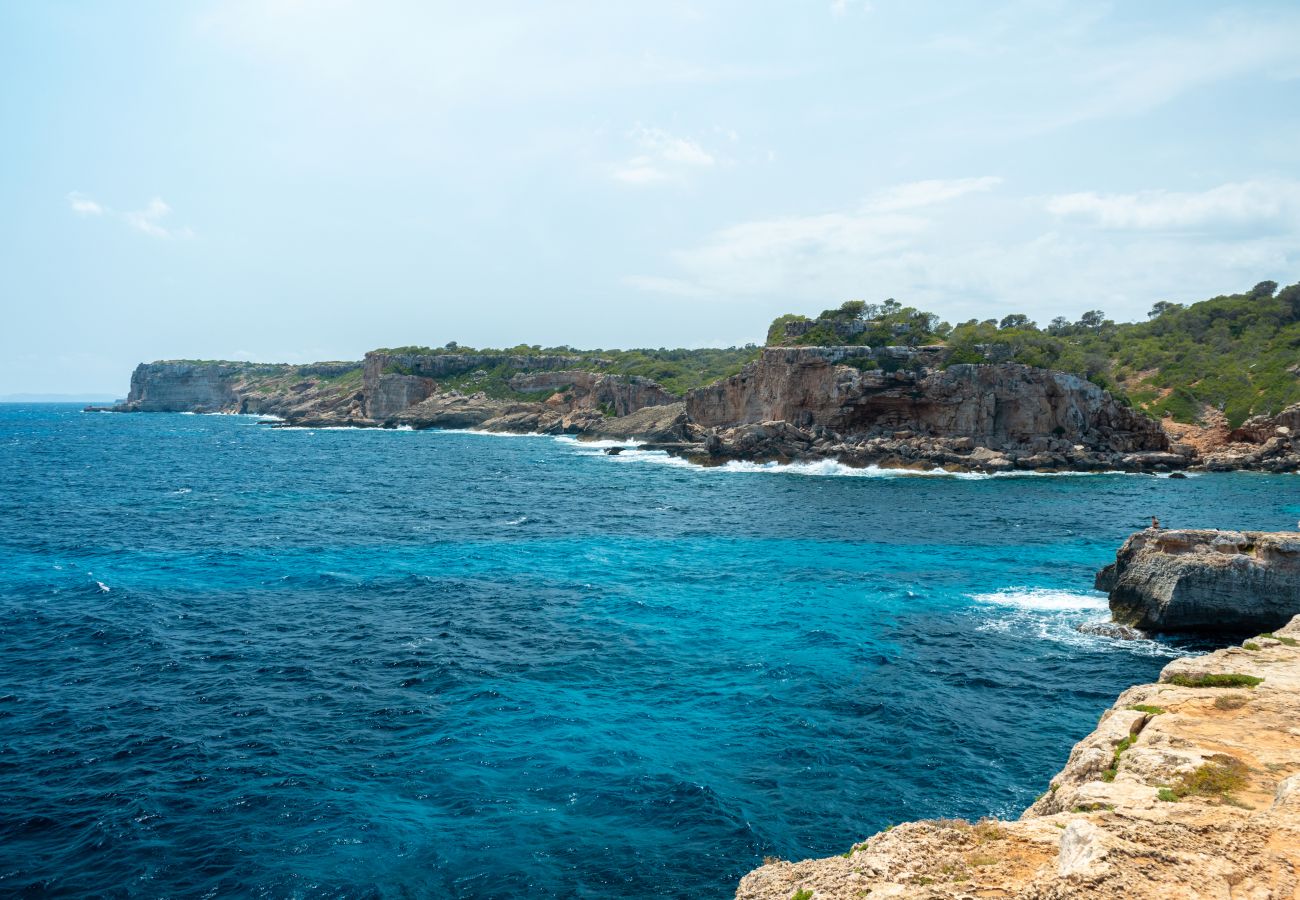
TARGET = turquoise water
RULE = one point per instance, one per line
(244, 660)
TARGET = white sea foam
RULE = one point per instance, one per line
(1044, 599)
(103, 588)
(182, 491)
(595, 445)
(818, 468)
(1051, 614)
(519, 521)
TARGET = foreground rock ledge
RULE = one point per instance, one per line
(1183, 791)
(1204, 580)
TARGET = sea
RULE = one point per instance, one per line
(242, 660)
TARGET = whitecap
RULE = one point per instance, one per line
(103, 588)
(519, 521)
(1043, 599)
(1052, 614)
(600, 444)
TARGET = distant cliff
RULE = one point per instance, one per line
(903, 406)
(236, 387)
(911, 407)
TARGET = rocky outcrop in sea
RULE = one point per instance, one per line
(1188, 788)
(1204, 580)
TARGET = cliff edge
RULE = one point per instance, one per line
(1189, 788)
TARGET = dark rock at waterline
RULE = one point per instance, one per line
(1111, 630)
(614, 451)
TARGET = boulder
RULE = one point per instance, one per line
(1204, 580)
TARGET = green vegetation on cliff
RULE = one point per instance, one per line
(1239, 354)
(676, 370)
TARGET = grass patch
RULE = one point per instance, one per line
(1167, 795)
(1289, 641)
(802, 894)
(988, 830)
(1216, 680)
(1109, 774)
(982, 859)
(1231, 701)
(1250, 645)
(1217, 778)
(1149, 710)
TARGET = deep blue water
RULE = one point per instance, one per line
(244, 660)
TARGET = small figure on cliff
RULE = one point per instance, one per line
(1155, 523)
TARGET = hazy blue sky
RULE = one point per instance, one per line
(288, 181)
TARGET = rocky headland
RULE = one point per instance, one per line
(1189, 788)
(903, 407)
(1204, 580)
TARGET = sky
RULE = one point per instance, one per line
(289, 181)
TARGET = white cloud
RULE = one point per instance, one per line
(661, 157)
(83, 205)
(916, 194)
(844, 7)
(147, 221)
(963, 249)
(656, 284)
(1245, 203)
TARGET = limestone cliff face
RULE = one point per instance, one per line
(1191, 579)
(396, 381)
(182, 387)
(328, 392)
(856, 390)
(622, 395)
(1184, 792)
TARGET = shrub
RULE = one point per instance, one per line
(1225, 680)
(1231, 701)
(1217, 778)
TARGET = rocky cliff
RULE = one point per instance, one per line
(889, 406)
(328, 390)
(397, 381)
(900, 405)
(1189, 789)
(1199, 579)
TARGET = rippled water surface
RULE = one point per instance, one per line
(244, 660)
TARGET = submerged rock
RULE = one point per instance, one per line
(1111, 630)
(1204, 580)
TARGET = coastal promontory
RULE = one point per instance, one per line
(1188, 789)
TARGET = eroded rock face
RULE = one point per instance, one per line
(182, 387)
(1182, 793)
(327, 392)
(1258, 429)
(617, 394)
(1204, 580)
(857, 391)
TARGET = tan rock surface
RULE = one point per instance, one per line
(1202, 800)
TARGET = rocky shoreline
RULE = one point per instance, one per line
(1188, 788)
(892, 407)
